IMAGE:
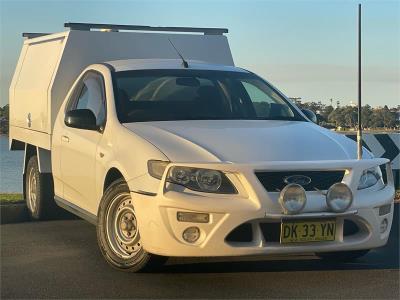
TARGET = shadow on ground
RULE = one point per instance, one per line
(61, 259)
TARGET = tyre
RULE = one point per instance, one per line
(39, 192)
(344, 256)
(117, 232)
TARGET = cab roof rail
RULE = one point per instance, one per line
(31, 35)
(115, 27)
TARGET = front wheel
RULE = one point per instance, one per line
(344, 256)
(118, 234)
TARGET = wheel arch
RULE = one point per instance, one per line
(43, 155)
(44, 161)
(112, 174)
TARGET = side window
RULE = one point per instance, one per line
(261, 102)
(91, 96)
(265, 101)
(82, 101)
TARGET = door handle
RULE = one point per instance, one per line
(64, 138)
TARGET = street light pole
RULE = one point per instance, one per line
(359, 131)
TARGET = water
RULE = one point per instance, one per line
(10, 168)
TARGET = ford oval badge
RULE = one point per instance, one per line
(297, 179)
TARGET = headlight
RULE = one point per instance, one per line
(369, 178)
(202, 180)
(293, 198)
(339, 197)
(156, 168)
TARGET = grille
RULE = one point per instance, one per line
(271, 231)
(242, 233)
(349, 228)
(321, 180)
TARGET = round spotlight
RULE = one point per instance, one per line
(293, 198)
(339, 197)
(384, 225)
(191, 234)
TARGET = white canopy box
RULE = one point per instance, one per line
(50, 63)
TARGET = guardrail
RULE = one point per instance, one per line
(385, 145)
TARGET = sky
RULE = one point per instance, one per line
(306, 49)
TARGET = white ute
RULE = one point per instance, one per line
(170, 150)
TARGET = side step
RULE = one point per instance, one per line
(72, 208)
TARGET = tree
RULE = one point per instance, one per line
(4, 111)
(366, 115)
(350, 116)
(337, 116)
(326, 112)
(389, 119)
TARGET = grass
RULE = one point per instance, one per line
(10, 197)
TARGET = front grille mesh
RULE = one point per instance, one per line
(271, 232)
(274, 181)
(350, 228)
(243, 234)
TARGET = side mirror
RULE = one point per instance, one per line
(310, 115)
(81, 119)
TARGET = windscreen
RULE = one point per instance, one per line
(171, 95)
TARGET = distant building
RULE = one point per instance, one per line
(352, 104)
(296, 100)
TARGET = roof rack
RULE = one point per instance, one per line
(115, 27)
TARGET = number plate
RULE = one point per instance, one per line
(307, 231)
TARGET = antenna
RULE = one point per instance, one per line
(184, 62)
(359, 131)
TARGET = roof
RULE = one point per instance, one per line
(149, 64)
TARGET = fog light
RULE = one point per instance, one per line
(191, 234)
(339, 197)
(384, 225)
(192, 217)
(292, 198)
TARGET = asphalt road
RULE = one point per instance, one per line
(60, 259)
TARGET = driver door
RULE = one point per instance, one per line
(79, 146)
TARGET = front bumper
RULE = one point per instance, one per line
(161, 232)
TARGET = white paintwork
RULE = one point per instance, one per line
(162, 233)
(148, 64)
(49, 65)
(247, 141)
(81, 161)
(235, 147)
